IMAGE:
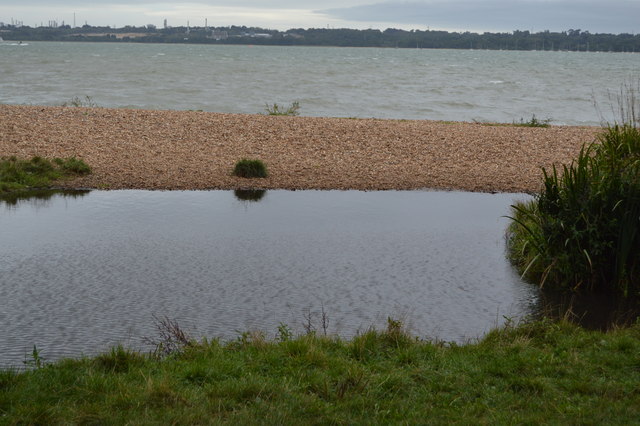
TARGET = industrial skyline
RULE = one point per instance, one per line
(613, 16)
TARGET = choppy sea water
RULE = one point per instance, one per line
(78, 275)
(503, 86)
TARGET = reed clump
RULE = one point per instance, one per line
(582, 232)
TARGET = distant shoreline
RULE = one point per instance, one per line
(120, 40)
(570, 40)
(150, 149)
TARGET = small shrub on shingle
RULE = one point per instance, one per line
(250, 169)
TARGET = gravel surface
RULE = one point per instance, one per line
(197, 150)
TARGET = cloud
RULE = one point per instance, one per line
(613, 16)
(275, 14)
(226, 15)
(119, 13)
(258, 4)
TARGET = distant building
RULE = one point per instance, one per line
(255, 35)
(219, 35)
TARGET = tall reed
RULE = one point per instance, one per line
(582, 232)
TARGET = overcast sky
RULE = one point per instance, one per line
(611, 16)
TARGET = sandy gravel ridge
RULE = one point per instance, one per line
(197, 150)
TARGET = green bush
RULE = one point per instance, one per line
(583, 230)
(250, 169)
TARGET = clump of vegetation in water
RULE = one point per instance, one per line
(21, 175)
(276, 109)
(541, 372)
(533, 122)
(250, 169)
(582, 232)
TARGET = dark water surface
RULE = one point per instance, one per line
(81, 273)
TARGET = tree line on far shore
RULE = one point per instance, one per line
(570, 40)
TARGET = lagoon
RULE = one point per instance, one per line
(81, 273)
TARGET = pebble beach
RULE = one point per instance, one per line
(192, 150)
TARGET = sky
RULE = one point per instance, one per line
(595, 16)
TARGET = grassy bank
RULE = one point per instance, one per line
(542, 372)
(18, 175)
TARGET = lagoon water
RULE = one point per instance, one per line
(80, 274)
(463, 85)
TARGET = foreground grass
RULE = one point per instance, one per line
(542, 372)
(18, 175)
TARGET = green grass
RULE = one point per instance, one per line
(22, 175)
(250, 169)
(537, 373)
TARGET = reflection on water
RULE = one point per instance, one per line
(592, 311)
(249, 194)
(89, 272)
(38, 197)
